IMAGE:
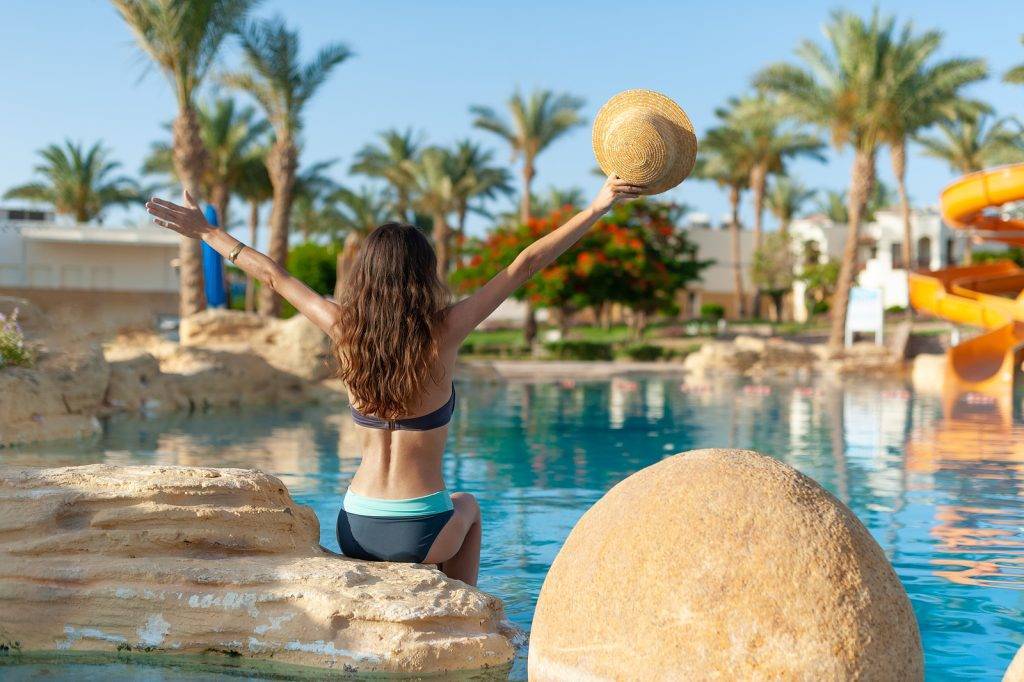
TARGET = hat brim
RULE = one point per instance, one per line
(669, 111)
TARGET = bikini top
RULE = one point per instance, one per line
(435, 420)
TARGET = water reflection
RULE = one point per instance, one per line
(937, 480)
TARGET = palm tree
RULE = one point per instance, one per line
(231, 135)
(841, 87)
(313, 188)
(389, 161)
(535, 123)
(786, 198)
(1016, 74)
(969, 142)
(434, 194)
(254, 187)
(475, 177)
(919, 93)
(283, 86)
(555, 198)
(833, 205)
(183, 37)
(770, 141)
(361, 213)
(77, 181)
(724, 161)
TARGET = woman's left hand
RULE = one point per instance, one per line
(614, 190)
(187, 221)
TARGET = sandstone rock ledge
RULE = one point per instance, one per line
(181, 560)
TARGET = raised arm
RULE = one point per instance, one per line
(190, 222)
(464, 316)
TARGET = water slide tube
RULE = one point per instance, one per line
(990, 296)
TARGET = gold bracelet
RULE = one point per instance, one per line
(235, 251)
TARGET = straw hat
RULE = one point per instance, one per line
(646, 138)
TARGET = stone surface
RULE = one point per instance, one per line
(1015, 673)
(722, 564)
(181, 560)
(294, 345)
(55, 399)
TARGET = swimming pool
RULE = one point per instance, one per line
(941, 494)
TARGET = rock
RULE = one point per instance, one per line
(928, 373)
(138, 385)
(1015, 673)
(720, 356)
(56, 399)
(179, 560)
(297, 346)
(219, 326)
(722, 564)
(294, 345)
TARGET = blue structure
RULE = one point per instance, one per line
(213, 267)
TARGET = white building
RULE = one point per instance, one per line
(97, 277)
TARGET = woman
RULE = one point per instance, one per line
(396, 337)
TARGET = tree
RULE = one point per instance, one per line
(768, 140)
(183, 37)
(231, 135)
(841, 87)
(1016, 74)
(723, 160)
(821, 279)
(969, 142)
(772, 269)
(78, 182)
(920, 92)
(634, 256)
(786, 198)
(389, 161)
(254, 187)
(276, 78)
(434, 194)
(475, 178)
(535, 123)
(361, 213)
(833, 205)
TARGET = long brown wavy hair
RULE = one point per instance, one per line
(392, 305)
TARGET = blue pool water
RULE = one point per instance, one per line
(941, 492)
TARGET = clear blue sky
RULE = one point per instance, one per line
(72, 70)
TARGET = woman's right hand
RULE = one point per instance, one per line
(187, 221)
(614, 190)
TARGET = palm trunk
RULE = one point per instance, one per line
(737, 267)
(219, 197)
(524, 202)
(898, 155)
(346, 259)
(250, 286)
(758, 179)
(282, 162)
(968, 250)
(189, 161)
(442, 239)
(862, 181)
(530, 318)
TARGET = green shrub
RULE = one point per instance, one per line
(819, 308)
(316, 265)
(896, 309)
(712, 311)
(13, 349)
(644, 352)
(580, 350)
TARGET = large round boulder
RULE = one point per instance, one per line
(725, 564)
(1015, 673)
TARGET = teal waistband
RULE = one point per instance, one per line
(435, 503)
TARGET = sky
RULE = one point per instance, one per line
(71, 70)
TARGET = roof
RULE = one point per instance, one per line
(86, 234)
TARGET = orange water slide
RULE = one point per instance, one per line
(990, 296)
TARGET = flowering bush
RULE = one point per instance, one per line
(13, 350)
(635, 256)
